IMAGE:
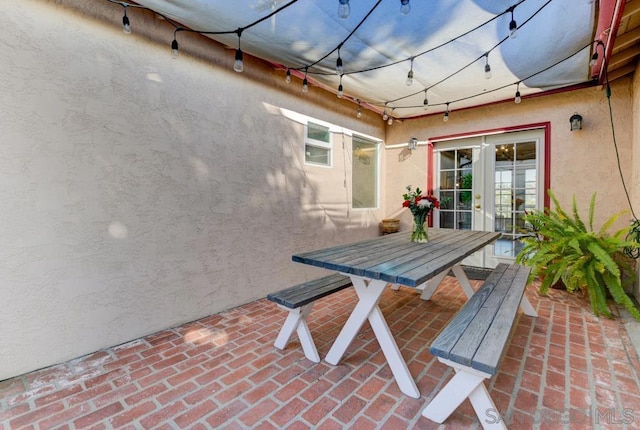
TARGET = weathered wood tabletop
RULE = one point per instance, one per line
(394, 259)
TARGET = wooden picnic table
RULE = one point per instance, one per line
(374, 263)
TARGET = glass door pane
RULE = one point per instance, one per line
(516, 190)
(456, 183)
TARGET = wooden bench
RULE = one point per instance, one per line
(474, 342)
(299, 300)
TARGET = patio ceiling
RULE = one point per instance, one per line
(447, 44)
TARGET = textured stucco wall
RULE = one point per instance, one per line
(139, 191)
(582, 162)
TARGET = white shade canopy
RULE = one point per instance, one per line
(450, 42)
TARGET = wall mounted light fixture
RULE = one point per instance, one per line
(575, 121)
(413, 144)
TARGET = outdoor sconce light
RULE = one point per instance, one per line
(413, 144)
(576, 122)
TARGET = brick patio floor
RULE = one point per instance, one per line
(564, 369)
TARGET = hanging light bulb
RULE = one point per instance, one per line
(425, 103)
(385, 116)
(340, 93)
(513, 26)
(126, 25)
(518, 99)
(359, 111)
(175, 52)
(487, 67)
(594, 59)
(446, 114)
(410, 75)
(405, 7)
(390, 120)
(339, 68)
(305, 82)
(344, 9)
(287, 77)
(238, 65)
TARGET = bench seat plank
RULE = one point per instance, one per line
(475, 340)
(307, 292)
(478, 334)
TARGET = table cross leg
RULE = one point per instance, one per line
(392, 353)
(463, 280)
(432, 285)
(368, 296)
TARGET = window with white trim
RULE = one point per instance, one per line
(318, 147)
(364, 178)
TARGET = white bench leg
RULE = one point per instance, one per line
(297, 321)
(395, 287)
(367, 308)
(527, 308)
(466, 383)
(432, 285)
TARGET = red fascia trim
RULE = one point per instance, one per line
(546, 126)
(609, 19)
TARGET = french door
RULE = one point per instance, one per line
(487, 183)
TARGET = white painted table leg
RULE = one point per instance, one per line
(395, 287)
(392, 353)
(432, 285)
(368, 296)
(296, 321)
(463, 280)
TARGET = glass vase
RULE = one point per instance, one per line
(420, 233)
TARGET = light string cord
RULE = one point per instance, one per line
(634, 231)
(476, 59)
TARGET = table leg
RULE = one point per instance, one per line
(432, 284)
(463, 280)
(367, 308)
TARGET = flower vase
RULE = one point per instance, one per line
(420, 233)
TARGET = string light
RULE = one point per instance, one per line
(517, 99)
(487, 67)
(126, 25)
(344, 10)
(305, 82)
(594, 57)
(513, 26)
(445, 118)
(359, 111)
(345, 7)
(425, 103)
(238, 65)
(390, 120)
(287, 77)
(339, 68)
(340, 93)
(405, 7)
(410, 75)
(385, 116)
(175, 52)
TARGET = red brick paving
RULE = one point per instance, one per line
(564, 369)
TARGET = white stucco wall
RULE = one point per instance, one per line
(139, 192)
(635, 181)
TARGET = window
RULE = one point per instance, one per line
(317, 145)
(364, 178)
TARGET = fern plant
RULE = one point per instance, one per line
(563, 247)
